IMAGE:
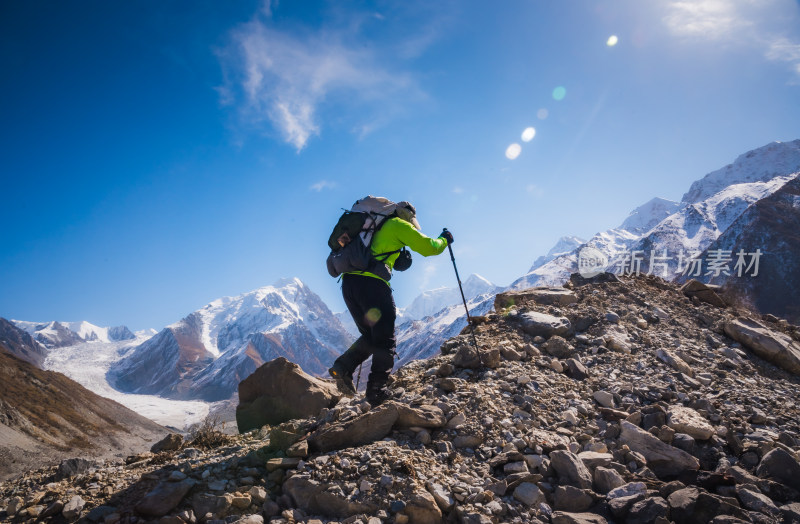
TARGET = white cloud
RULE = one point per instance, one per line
(708, 19)
(287, 77)
(322, 184)
(750, 23)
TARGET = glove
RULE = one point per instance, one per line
(447, 235)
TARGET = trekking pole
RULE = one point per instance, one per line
(358, 378)
(469, 318)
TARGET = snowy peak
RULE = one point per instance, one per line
(648, 215)
(435, 300)
(62, 334)
(759, 165)
(564, 245)
(208, 352)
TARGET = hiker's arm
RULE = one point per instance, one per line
(418, 242)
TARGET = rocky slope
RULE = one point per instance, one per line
(206, 354)
(45, 416)
(21, 344)
(608, 402)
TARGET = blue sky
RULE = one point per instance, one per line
(158, 155)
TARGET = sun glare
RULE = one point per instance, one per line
(612, 41)
(513, 151)
(528, 134)
(542, 114)
(559, 93)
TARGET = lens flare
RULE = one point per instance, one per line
(559, 93)
(528, 134)
(513, 151)
(373, 316)
(542, 113)
(612, 41)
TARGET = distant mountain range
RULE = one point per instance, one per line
(60, 334)
(733, 207)
(752, 204)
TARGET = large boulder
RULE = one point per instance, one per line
(363, 429)
(770, 345)
(703, 292)
(781, 465)
(695, 506)
(279, 391)
(662, 458)
(542, 324)
(546, 296)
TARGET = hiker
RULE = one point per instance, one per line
(369, 299)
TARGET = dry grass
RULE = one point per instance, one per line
(205, 434)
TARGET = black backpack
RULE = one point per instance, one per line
(352, 237)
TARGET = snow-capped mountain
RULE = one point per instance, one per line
(419, 339)
(206, 354)
(648, 215)
(767, 235)
(759, 165)
(431, 302)
(61, 334)
(706, 211)
(564, 246)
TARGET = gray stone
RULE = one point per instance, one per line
(422, 508)
(674, 361)
(662, 458)
(542, 324)
(561, 517)
(570, 498)
(604, 398)
(703, 292)
(529, 493)
(314, 499)
(419, 416)
(280, 391)
(72, 509)
(752, 499)
(694, 506)
(576, 369)
(770, 345)
(467, 441)
(164, 498)
(71, 467)
(558, 347)
(171, 442)
(571, 469)
(467, 357)
(606, 479)
(780, 465)
(546, 296)
(688, 421)
(369, 427)
(647, 511)
(592, 459)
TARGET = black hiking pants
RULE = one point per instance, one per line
(371, 304)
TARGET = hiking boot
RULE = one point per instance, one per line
(344, 381)
(377, 395)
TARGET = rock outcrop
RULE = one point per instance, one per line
(279, 391)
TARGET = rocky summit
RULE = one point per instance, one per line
(608, 400)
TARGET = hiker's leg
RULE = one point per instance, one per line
(383, 314)
(361, 349)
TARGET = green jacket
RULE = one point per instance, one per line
(397, 233)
